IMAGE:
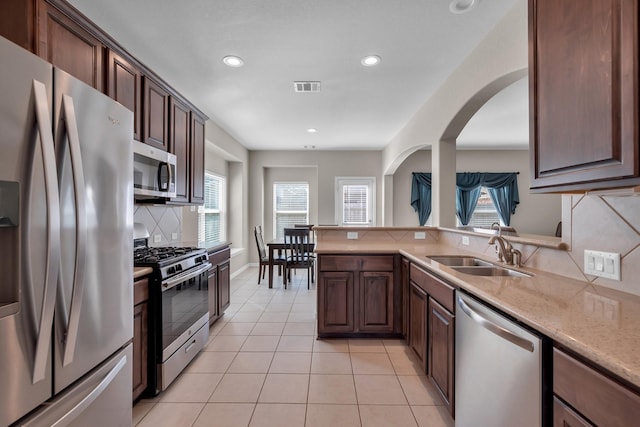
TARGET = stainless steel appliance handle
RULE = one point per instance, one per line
(87, 400)
(176, 280)
(164, 186)
(496, 329)
(52, 261)
(71, 125)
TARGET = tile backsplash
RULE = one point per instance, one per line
(163, 223)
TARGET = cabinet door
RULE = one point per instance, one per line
(441, 342)
(214, 314)
(197, 159)
(418, 323)
(140, 348)
(335, 302)
(155, 114)
(376, 302)
(224, 284)
(124, 85)
(583, 93)
(404, 279)
(68, 46)
(179, 132)
(564, 416)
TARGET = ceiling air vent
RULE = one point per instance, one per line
(306, 86)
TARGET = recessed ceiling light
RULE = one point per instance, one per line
(233, 61)
(310, 147)
(312, 130)
(370, 60)
(462, 6)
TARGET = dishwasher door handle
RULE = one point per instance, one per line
(496, 329)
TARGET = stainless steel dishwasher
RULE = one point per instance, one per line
(498, 368)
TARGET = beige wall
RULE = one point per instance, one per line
(265, 165)
(536, 213)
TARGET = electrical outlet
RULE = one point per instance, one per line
(419, 235)
(602, 264)
(352, 235)
(192, 208)
(465, 240)
(174, 236)
(157, 238)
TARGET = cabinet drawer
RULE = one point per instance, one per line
(598, 398)
(439, 290)
(355, 263)
(140, 291)
(338, 263)
(219, 257)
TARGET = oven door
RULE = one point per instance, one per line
(184, 302)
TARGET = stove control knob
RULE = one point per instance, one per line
(179, 267)
(171, 270)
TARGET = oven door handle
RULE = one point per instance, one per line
(185, 276)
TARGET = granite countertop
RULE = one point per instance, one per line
(601, 324)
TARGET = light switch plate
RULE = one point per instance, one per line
(419, 235)
(352, 235)
(465, 240)
(602, 264)
(157, 238)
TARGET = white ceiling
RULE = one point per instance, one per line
(281, 41)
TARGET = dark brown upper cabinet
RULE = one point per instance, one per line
(583, 103)
(197, 159)
(180, 133)
(124, 84)
(155, 114)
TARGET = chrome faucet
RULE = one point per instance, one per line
(506, 252)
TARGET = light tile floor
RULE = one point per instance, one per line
(263, 366)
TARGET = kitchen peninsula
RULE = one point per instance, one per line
(594, 326)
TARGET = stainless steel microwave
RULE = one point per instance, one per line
(154, 173)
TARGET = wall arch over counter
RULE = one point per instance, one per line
(499, 60)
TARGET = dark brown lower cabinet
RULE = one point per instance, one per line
(590, 397)
(219, 283)
(432, 330)
(418, 323)
(359, 295)
(440, 355)
(140, 336)
(335, 302)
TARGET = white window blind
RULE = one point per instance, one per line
(485, 212)
(211, 218)
(290, 206)
(355, 201)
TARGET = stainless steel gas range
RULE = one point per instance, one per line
(179, 309)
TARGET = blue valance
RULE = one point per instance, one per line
(502, 188)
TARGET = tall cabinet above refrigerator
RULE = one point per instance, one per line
(66, 219)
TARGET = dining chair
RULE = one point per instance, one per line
(263, 255)
(297, 243)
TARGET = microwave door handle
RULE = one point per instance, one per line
(161, 185)
(70, 125)
(52, 261)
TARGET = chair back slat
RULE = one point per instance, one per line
(262, 250)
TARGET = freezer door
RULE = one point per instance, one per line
(96, 401)
(28, 254)
(94, 310)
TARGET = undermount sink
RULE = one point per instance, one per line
(475, 267)
(489, 271)
(460, 260)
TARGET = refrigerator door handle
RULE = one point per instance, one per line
(91, 395)
(68, 117)
(52, 261)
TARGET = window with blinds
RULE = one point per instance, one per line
(485, 212)
(355, 201)
(211, 221)
(290, 206)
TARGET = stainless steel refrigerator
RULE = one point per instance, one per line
(66, 233)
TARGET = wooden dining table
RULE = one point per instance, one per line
(279, 245)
